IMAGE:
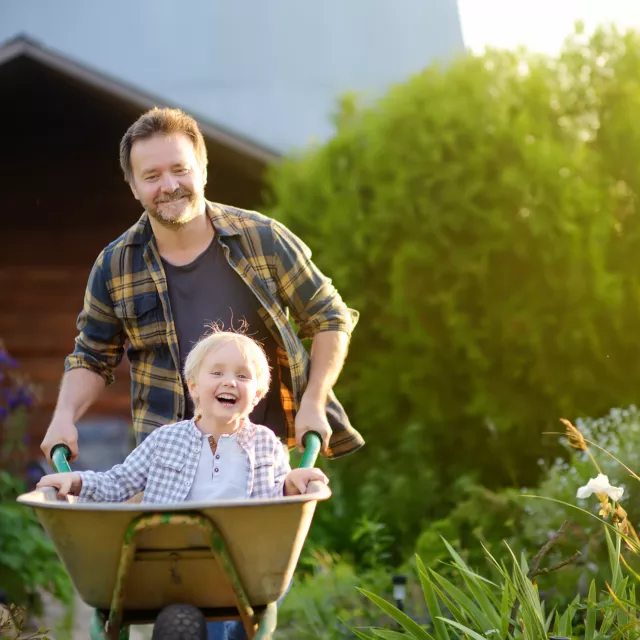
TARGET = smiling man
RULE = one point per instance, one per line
(188, 263)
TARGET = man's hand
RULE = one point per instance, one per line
(297, 480)
(60, 431)
(65, 483)
(312, 417)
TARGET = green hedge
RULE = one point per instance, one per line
(482, 218)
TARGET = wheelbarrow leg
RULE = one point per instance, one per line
(97, 629)
(268, 624)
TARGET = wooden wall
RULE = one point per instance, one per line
(63, 200)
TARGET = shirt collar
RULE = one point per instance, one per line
(141, 232)
(244, 434)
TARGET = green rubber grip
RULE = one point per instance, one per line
(312, 444)
(59, 456)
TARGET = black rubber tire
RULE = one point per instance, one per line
(180, 622)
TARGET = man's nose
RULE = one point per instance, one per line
(169, 183)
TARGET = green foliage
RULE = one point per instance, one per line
(480, 522)
(509, 607)
(482, 218)
(507, 604)
(319, 600)
(483, 519)
(12, 623)
(28, 560)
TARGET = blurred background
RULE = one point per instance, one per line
(466, 173)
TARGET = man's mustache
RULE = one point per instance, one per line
(176, 195)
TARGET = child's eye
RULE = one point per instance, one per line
(216, 373)
(242, 375)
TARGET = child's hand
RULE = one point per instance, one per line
(65, 483)
(297, 480)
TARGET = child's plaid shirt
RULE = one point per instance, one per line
(164, 466)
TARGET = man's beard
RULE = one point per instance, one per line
(190, 211)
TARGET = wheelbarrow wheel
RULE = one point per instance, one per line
(180, 622)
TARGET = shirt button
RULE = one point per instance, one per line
(217, 456)
(216, 469)
(186, 482)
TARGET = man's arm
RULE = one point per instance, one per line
(322, 315)
(328, 353)
(79, 389)
(98, 351)
(314, 302)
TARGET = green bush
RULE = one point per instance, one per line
(483, 520)
(517, 602)
(321, 599)
(482, 218)
(28, 560)
(29, 564)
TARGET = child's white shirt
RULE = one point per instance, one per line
(223, 475)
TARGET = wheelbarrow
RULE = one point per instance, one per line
(165, 564)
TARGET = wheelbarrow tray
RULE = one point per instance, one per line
(173, 562)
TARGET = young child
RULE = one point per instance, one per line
(219, 454)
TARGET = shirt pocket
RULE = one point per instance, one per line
(143, 320)
(168, 461)
(166, 481)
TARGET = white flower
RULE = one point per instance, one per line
(599, 486)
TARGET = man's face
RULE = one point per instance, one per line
(167, 179)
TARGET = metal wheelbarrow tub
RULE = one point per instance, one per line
(173, 562)
(228, 558)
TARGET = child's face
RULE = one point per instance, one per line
(226, 385)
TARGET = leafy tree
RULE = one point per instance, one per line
(482, 218)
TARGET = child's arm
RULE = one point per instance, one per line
(281, 468)
(122, 481)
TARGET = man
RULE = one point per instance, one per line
(189, 262)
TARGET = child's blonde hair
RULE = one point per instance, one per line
(252, 350)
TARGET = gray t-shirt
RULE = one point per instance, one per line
(209, 290)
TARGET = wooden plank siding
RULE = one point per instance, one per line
(63, 200)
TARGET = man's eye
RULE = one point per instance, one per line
(181, 171)
(151, 178)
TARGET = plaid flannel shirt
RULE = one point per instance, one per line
(127, 299)
(165, 464)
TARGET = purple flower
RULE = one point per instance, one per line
(6, 360)
(20, 397)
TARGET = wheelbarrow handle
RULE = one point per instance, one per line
(311, 440)
(60, 455)
(312, 443)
